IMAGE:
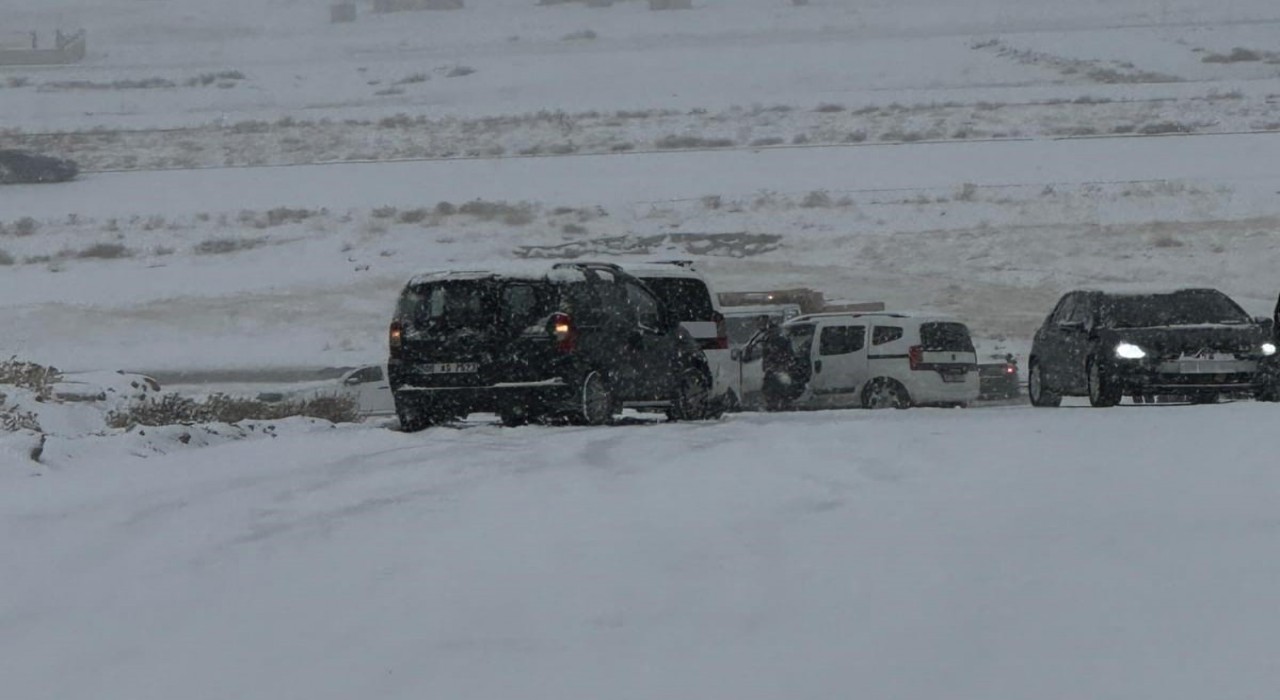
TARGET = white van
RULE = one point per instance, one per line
(687, 293)
(873, 360)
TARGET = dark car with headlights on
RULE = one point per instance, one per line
(1192, 343)
(570, 341)
(24, 167)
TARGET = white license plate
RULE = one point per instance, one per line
(452, 368)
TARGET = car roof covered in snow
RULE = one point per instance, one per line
(911, 315)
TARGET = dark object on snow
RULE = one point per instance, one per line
(998, 380)
(1197, 344)
(24, 167)
(573, 341)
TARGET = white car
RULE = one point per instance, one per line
(366, 384)
(687, 293)
(112, 388)
(872, 360)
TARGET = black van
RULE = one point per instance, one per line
(575, 341)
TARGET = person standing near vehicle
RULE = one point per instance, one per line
(781, 381)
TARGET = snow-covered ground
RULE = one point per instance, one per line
(990, 553)
(977, 157)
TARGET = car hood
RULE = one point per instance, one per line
(1170, 341)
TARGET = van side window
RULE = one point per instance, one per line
(842, 340)
(885, 334)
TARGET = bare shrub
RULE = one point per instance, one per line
(6, 258)
(18, 81)
(414, 216)
(800, 139)
(446, 209)
(174, 409)
(104, 251)
(284, 215)
(384, 212)
(413, 79)
(768, 141)
(673, 141)
(1164, 239)
(31, 376)
(12, 419)
(967, 192)
(1237, 55)
(621, 147)
(26, 226)
(583, 35)
(574, 229)
(207, 79)
(221, 246)
(828, 107)
(855, 136)
(1166, 127)
(712, 201)
(459, 71)
(817, 199)
(510, 214)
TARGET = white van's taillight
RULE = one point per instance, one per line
(566, 336)
(395, 338)
(915, 356)
(722, 331)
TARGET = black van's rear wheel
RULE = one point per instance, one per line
(412, 414)
(694, 399)
(594, 403)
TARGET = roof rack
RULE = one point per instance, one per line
(612, 267)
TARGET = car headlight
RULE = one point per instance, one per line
(1129, 351)
(1268, 349)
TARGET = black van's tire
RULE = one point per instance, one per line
(694, 402)
(413, 415)
(594, 402)
(1040, 395)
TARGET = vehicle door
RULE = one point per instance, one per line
(839, 363)
(652, 344)
(804, 351)
(1055, 340)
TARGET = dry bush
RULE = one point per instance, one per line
(6, 259)
(26, 226)
(413, 79)
(1238, 55)
(104, 251)
(583, 35)
(829, 107)
(414, 216)
(384, 212)
(768, 141)
(285, 215)
(459, 71)
(817, 199)
(446, 209)
(673, 141)
(173, 409)
(1164, 239)
(1166, 127)
(12, 419)
(510, 214)
(220, 246)
(30, 376)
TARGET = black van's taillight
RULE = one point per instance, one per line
(395, 338)
(561, 328)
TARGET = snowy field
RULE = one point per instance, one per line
(260, 184)
(990, 553)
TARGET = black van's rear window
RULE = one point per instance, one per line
(474, 304)
(945, 337)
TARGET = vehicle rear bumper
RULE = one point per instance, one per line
(929, 388)
(494, 398)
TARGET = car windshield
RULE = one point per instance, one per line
(687, 298)
(1190, 308)
(473, 304)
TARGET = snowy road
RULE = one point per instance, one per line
(1004, 553)
(645, 177)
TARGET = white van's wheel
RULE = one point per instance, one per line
(885, 393)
